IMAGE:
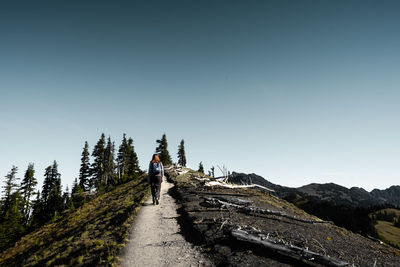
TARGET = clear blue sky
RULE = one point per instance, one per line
(295, 91)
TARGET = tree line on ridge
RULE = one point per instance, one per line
(24, 209)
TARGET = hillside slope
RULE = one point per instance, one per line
(90, 236)
(249, 227)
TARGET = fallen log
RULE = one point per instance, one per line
(223, 184)
(287, 249)
(250, 210)
(218, 193)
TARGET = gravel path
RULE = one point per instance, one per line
(155, 238)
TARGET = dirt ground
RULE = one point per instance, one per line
(156, 238)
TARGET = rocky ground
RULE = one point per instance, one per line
(211, 215)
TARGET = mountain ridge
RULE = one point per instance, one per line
(331, 192)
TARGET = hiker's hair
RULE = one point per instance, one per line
(155, 158)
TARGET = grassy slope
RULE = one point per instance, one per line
(388, 232)
(90, 236)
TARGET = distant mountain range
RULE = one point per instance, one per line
(330, 192)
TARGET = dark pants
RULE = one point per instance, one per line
(155, 183)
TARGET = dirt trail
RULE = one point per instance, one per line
(155, 238)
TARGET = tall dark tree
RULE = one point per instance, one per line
(11, 226)
(201, 168)
(162, 151)
(47, 184)
(84, 171)
(97, 168)
(10, 187)
(66, 197)
(52, 201)
(28, 185)
(109, 163)
(36, 218)
(122, 157)
(133, 169)
(77, 198)
(181, 154)
(127, 160)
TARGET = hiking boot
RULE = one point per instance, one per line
(154, 200)
(157, 202)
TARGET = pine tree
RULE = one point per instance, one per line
(133, 169)
(28, 190)
(77, 197)
(36, 218)
(11, 218)
(52, 202)
(9, 189)
(97, 169)
(181, 154)
(84, 171)
(66, 198)
(122, 157)
(162, 151)
(47, 184)
(11, 228)
(109, 163)
(201, 168)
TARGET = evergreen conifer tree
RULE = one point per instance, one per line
(77, 199)
(84, 171)
(133, 169)
(66, 198)
(109, 163)
(11, 219)
(162, 151)
(28, 185)
(181, 154)
(37, 212)
(11, 227)
(122, 157)
(97, 169)
(52, 201)
(201, 168)
(47, 184)
(9, 189)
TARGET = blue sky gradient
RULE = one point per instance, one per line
(296, 91)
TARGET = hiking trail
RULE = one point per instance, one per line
(155, 237)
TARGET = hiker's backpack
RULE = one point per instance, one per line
(156, 168)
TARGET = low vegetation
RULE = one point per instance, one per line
(91, 235)
(387, 225)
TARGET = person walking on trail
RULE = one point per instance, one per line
(156, 174)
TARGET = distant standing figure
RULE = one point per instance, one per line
(156, 174)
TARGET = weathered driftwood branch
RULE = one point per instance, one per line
(223, 184)
(287, 249)
(255, 210)
(218, 193)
